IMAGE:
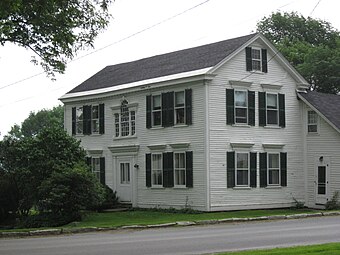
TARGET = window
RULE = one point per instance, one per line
(241, 107)
(179, 107)
(180, 169)
(169, 169)
(157, 170)
(156, 110)
(312, 122)
(242, 169)
(79, 120)
(272, 109)
(125, 121)
(125, 173)
(256, 59)
(273, 169)
(96, 167)
(169, 109)
(95, 119)
(88, 119)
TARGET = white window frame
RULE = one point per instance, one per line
(271, 109)
(79, 120)
(125, 173)
(273, 169)
(180, 169)
(242, 169)
(240, 107)
(256, 60)
(118, 122)
(95, 166)
(311, 124)
(178, 108)
(153, 181)
(153, 111)
(94, 121)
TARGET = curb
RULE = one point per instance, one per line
(60, 231)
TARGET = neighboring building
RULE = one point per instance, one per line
(215, 127)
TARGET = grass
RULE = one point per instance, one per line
(320, 249)
(146, 217)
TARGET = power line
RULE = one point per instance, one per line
(314, 8)
(116, 42)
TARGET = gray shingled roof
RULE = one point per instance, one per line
(161, 65)
(327, 104)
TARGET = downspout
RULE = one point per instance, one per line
(207, 145)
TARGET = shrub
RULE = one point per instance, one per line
(110, 200)
(8, 197)
(334, 202)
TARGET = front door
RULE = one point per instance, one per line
(321, 182)
(124, 179)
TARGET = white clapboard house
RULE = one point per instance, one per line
(224, 126)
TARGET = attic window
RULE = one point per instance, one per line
(256, 60)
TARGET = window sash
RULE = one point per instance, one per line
(274, 172)
(256, 59)
(95, 119)
(272, 108)
(79, 120)
(242, 165)
(125, 121)
(179, 99)
(241, 106)
(95, 167)
(156, 169)
(124, 173)
(312, 122)
(180, 169)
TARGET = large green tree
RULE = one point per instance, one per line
(53, 29)
(312, 46)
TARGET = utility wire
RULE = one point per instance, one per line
(116, 42)
(314, 8)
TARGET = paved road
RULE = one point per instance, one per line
(183, 240)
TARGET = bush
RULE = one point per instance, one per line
(110, 200)
(8, 197)
(48, 220)
(334, 202)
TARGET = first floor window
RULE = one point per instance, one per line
(96, 167)
(180, 169)
(272, 109)
(273, 169)
(124, 173)
(157, 169)
(312, 122)
(242, 169)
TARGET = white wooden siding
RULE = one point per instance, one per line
(221, 135)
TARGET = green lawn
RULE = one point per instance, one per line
(323, 249)
(146, 217)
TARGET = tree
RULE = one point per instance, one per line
(35, 122)
(55, 30)
(312, 46)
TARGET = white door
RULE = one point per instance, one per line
(124, 179)
(321, 181)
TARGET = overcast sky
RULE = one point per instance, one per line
(138, 29)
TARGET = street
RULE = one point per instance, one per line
(183, 240)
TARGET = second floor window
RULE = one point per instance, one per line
(125, 121)
(312, 122)
(241, 107)
(88, 119)
(272, 109)
(79, 120)
(156, 110)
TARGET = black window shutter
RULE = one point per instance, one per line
(189, 169)
(101, 119)
(251, 108)
(230, 169)
(249, 64)
(188, 106)
(165, 115)
(282, 113)
(283, 168)
(230, 106)
(102, 170)
(74, 124)
(88, 161)
(170, 113)
(168, 170)
(253, 169)
(262, 109)
(148, 169)
(264, 61)
(87, 119)
(263, 169)
(148, 111)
